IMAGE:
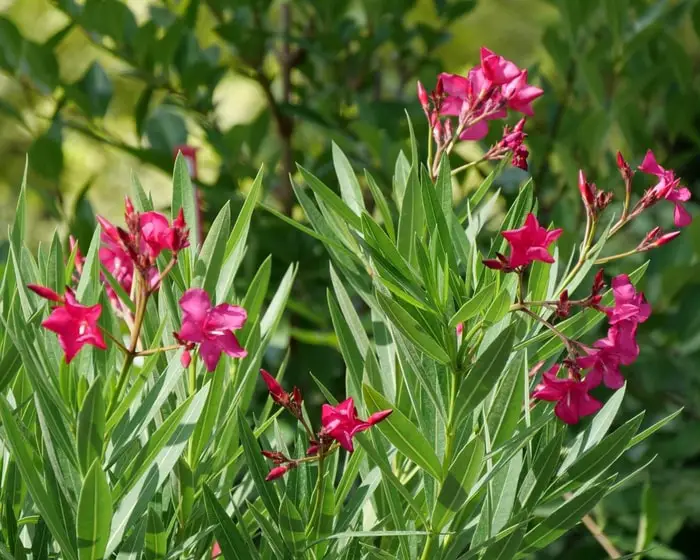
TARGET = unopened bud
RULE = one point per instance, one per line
(666, 238)
(423, 98)
(280, 471)
(586, 190)
(623, 166)
(46, 293)
(439, 89)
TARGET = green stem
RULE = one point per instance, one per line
(618, 256)
(587, 243)
(429, 161)
(121, 382)
(467, 166)
(318, 505)
(429, 550)
(191, 390)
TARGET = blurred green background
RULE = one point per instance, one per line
(92, 90)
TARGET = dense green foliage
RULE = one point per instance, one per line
(618, 75)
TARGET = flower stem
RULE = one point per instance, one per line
(598, 533)
(156, 350)
(618, 256)
(565, 339)
(191, 390)
(591, 224)
(115, 340)
(131, 351)
(467, 166)
(429, 160)
(318, 505)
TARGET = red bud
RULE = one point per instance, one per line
(46, 293)
(586, 189)
(423, 98)
(278, 394)
(278, 472)
(666, 238)
(185, 359)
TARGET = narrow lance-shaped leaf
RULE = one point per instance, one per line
(403, 434)
(91, 426)
(94, 514)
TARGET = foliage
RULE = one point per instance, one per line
(617, 73)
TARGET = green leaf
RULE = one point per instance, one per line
(596, 431)
(403, 434)
(292, 526)
(456, 488)
(475, 305)
(644, 434)
(484, 374)
(443, 187)
(156, 540)
(94, 91)
(25, 460)
(227, 534)
(211, 258)
(352, 356)
(183, 197)
(274, 311)
(257, 468)
(543, 469)
(349, 186)
(135, 503)
(403, 321)
(411, 220)
(381, 205)
(91, 426)
(563, 518)
(332, 200)
(94, 514)
(648, 520)
(598, 459)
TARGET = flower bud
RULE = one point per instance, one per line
(623, 166)
(439, 89)
(587, 192)
(423, 98)
(280, 471)
(666, 238)
(278, 394)
(460, 329)
(186, 359)
(46, 293)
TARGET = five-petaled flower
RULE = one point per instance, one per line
(341, 422)
(668, 187)
(211, 327)
(527, 244)
(74, 323)
(570, 394)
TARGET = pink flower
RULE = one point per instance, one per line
(604, 362)
(520, 95)
(667, 188)
(211, 327)
(496, 69)
(341, 422)
(528, 244)
(74, 323)
(215, 550)
(571, 396)
(460, 329)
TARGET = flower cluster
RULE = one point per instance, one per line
(339, 424)
(460, 106)
(588, 367)
(130, 257)
(591, 366)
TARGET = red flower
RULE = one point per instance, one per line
(211, 327)
(667, 188)
(528, 244)
(498, 70)
(75, 324)
(341, 422)
(571, 395)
